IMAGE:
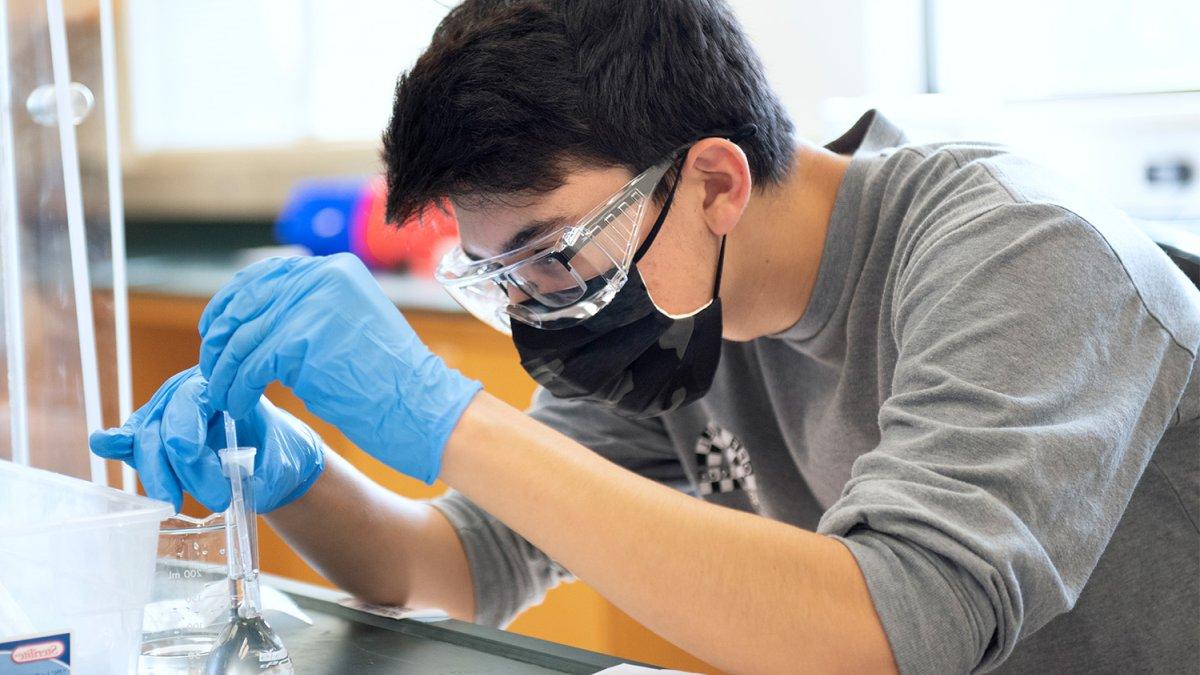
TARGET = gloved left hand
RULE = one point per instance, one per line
(172, 442)
(322, 326)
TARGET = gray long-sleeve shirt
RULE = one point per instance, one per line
(991, 399)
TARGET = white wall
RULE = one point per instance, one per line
(817, 49)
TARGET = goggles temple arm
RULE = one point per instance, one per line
(662, 214)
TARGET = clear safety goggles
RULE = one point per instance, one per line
(563, 277)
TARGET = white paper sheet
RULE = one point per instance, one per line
(390, 612)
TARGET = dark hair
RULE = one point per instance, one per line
(511, 95)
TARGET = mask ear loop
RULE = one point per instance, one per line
(716, 292)
(736, 135)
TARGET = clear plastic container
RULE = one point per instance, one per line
(76, 557)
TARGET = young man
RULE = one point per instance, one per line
(940, 409)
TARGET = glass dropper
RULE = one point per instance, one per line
(248, 644)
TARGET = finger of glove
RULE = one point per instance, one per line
(139, 438)
(115, 443)
(275, 357)
(252, 303)
(254, 299)
(242, 342)
(259, 272)
(162, 486)
(153, 467)
(139, 416)
(184, 433)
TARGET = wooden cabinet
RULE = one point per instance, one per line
(165, 341)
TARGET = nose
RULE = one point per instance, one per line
(515, 295)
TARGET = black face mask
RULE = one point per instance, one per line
(631, 355)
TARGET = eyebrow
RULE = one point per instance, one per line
(526, 234)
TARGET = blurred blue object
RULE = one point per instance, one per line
(320, 213)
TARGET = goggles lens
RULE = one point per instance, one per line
(562, 278)
(550, 281)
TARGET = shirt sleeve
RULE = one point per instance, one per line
(1032, 386)
(509, 573)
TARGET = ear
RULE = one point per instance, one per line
(723, 172)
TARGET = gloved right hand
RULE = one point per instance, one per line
(172, 442)
(324, 328)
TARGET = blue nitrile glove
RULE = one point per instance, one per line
(173, 440)
(322, 326)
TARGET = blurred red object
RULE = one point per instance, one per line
(417, 244)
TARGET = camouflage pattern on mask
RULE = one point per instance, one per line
(630, 356)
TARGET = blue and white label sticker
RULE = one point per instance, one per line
(36, 655)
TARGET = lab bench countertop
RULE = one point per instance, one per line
(345, 640)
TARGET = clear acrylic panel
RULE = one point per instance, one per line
(44, 189)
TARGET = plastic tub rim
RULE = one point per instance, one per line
(137, 508)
